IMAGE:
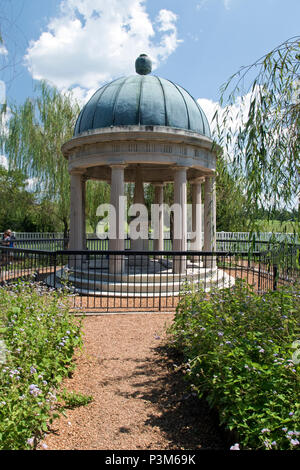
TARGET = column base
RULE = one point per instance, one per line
(116, 264)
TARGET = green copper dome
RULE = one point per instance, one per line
(145, 100)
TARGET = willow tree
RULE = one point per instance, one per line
(36, 131)
(97, 192)
(261, 137)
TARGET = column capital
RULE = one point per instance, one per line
(211, 176)
(118, 165)
(180, 167)
(76, 171)
(199, 180)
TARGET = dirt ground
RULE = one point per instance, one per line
(140, 400)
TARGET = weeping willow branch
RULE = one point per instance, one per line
(262, 138)
(36, 131)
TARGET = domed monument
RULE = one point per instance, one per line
(144, 129)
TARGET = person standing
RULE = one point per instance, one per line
(5, 239)
(8, 240)
(5, 242)
(11, 238)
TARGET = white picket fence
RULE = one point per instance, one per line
(36, 235)
(260, 237)
(240, 236)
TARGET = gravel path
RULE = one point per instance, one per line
(140, 400)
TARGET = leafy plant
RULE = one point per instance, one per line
(40, 337)
(75, 399)
(239, 355)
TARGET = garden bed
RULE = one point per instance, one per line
(38, 341)
(240, 353)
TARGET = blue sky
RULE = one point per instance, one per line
(84, 43)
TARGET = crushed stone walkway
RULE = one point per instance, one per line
(140, 400)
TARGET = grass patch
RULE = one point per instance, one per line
(277, 226)
(75, 399)
(240, 353)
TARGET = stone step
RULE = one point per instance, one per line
(163, 276)
(131, 289)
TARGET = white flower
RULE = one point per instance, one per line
(235, 447)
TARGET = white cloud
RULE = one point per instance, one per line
(2, 92)
(31, 184)
(236, 115)
(227, 4)
(94, 41)
(209, 107)
(203, 3)
(3, 50)
(3, 161)
(237, 112)
(167, 20)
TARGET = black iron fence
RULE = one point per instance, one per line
(146, 281)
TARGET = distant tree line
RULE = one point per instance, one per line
(21, 209)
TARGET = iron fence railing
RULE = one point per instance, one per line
(147, 280)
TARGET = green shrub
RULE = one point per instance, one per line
(238, 349)
(40, 337)
(75, 399)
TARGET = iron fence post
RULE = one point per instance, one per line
(275, 276)
(259, 268)
(54, 273)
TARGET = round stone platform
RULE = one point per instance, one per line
(145, 279)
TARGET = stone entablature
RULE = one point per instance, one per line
(132, 145)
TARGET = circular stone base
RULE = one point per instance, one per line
(145, 278)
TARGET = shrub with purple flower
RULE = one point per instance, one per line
(34, 321)
(240, 357)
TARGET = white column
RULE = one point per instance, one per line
(116, 240)
(196, 242)
(140, 244)
(180, 223)
(210, 243)
(77, 212)
(159, 223)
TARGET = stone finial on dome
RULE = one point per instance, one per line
(143, 65)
